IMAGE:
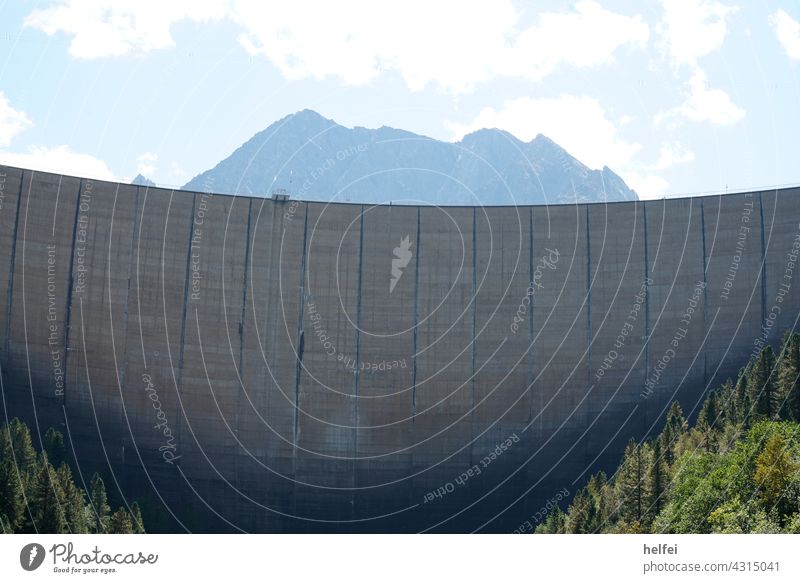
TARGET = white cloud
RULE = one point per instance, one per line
(578, 124)
(704, 104)
(60, 160)
(146, 164)
(176, 171)
(12, 122)
(788, 31)
(451, 43)
(355, 40)
(673, 154)
(691, 29)
(586, 37)
(104, 28)
(647, 186)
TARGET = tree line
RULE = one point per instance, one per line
(736, 470)
(38, 493)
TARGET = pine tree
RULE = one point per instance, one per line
(98, 501)
(726, 401)
(36, 497)
(761, 384)
(74, 501)
(674, 427)
(16, 445)
(120, 522)
(743, 412)
(554, 524)
(657, 481)
(708, 422)
(629, 484)
(598, 490)
(12, 498)
(54, 446)
(788, 384)
(581, 513)
(709, 412)
(46, 500)
(136, 519)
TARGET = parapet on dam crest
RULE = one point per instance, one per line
(277, 365)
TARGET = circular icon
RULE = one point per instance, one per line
(31, 556)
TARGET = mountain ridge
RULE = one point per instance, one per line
(316, 159)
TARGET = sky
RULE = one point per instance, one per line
(678, 97)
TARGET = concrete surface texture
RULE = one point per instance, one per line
(246, 364)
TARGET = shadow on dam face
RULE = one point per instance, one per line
(244, 364)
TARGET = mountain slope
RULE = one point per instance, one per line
(142, 181)
(317, 159)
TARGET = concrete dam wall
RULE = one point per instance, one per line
(257, 365)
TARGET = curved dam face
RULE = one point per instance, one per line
(259, 365)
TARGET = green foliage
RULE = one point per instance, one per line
(736, 471)
(98, 501)
(674, 428)
(54, 447)
(12, 497)
(736, 517)
(741, 399)
(554, 524)
(581, 514)
(761, 385)
(47, 512)
(16, 445)
(39, 495)
(120, 522)
(631, 486)
(776, 476)
(74, 501)
(603, 500)
(657, 474)
(138, 523)
(788, 393)
(709, 413)
(793, 524)
(694, 493)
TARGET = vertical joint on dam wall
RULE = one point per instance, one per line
(646, 302)
(135, 233)
(588, 301)
(705, 285)
(416, 322)
(10, 290)
(184, 310)
(647, 292)
(70, 284)
(763, 261)
(359, 292)
(301, 303)
(243, 314)
(531, 368)
(245, 283)
(474, 318)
